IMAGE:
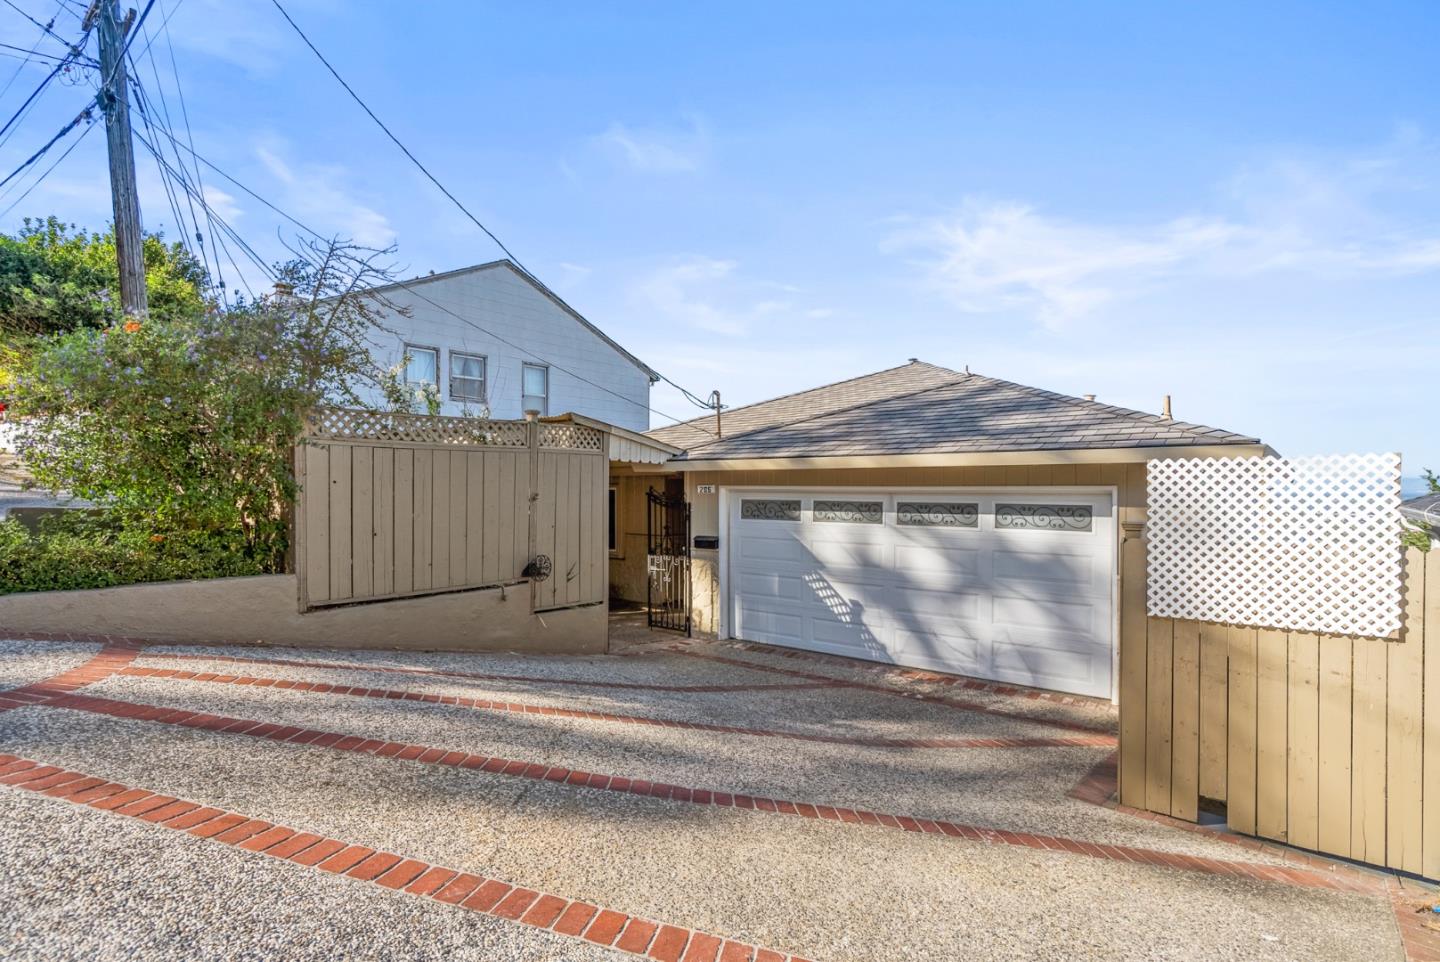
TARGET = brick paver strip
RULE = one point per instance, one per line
(817, 681)
(516, 768)
(529, 907)
(481, 704)
(919, 674)
(959, 704)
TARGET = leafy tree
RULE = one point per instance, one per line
(56, 278)
(187, 423)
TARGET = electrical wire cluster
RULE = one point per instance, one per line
(205, 232)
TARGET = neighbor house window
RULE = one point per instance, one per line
(535, 389)
(467, 377)
(422, 365)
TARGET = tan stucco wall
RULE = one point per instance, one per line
(264, 610)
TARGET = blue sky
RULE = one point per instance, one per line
(1238, 205)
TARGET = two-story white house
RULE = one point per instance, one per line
(491, 339)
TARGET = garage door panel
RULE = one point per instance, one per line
(945, 590)
(843, 554)
(1043, 666)
(777, 627)
(855, 636)
(1016, 611)
(953, 650)
(758, 585)
(937, 605)
(930, 558)
(1072, 570)
(762, 547)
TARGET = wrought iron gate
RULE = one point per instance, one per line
(667, 562)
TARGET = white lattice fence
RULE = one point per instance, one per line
(1305, 544)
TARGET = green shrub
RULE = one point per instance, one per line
(81, 551)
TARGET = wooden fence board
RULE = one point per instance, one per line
(441, 513)
(383, 521)
(474, 515)
(1302, 732)
(1214, 661)
(1272, 657)
(404, 521)
(315, 488)
(1333, 743)
(340, 534)
(362, 521)
(459, 517)
(493, 562)
(1185, 725)
(1240, 768)
(424, 519)
(1159, 669)
(1367, 772)
(1404, 710)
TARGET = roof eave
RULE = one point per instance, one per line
(1051, 456)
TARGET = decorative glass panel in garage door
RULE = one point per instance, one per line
(937, 514)
(850, 512)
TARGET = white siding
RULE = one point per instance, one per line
(498, 300)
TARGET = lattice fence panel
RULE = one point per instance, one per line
(571, 437)
(341, 424)
(1305, 544)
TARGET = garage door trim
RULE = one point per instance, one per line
(727, 493)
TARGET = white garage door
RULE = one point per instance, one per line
(1006, 586)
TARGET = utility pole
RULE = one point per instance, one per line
(114, 98)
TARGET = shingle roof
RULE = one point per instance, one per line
(924, 409)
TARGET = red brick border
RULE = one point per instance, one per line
(519, 768)
(481, 704)
(514, 903)
(816, 682)
(113, 657)
(919, 674)
(959, 704)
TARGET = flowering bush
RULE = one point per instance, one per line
(183, 428)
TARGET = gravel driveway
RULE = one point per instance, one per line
(709, 804)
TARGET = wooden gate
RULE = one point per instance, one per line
(394, 505)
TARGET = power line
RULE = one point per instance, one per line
(396, 140)
(58, 161)
(48, 144)
(693, 399)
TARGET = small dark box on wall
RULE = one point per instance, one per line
(707, 541)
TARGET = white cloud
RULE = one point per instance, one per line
(249, 34)
(664, 150)
(314, 194)
(714, 295)
(1320, 219)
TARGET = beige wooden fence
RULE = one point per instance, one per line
(1327, 743)
(392, 506)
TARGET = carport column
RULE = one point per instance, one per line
(704, 562)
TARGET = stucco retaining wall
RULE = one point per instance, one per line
(264, 610)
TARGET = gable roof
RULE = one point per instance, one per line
(534, 282)
(925, 409)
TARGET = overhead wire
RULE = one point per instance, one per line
(691, 397)
(58, 161)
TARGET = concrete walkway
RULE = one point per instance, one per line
(715, 802)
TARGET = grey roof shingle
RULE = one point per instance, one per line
(924, 409)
